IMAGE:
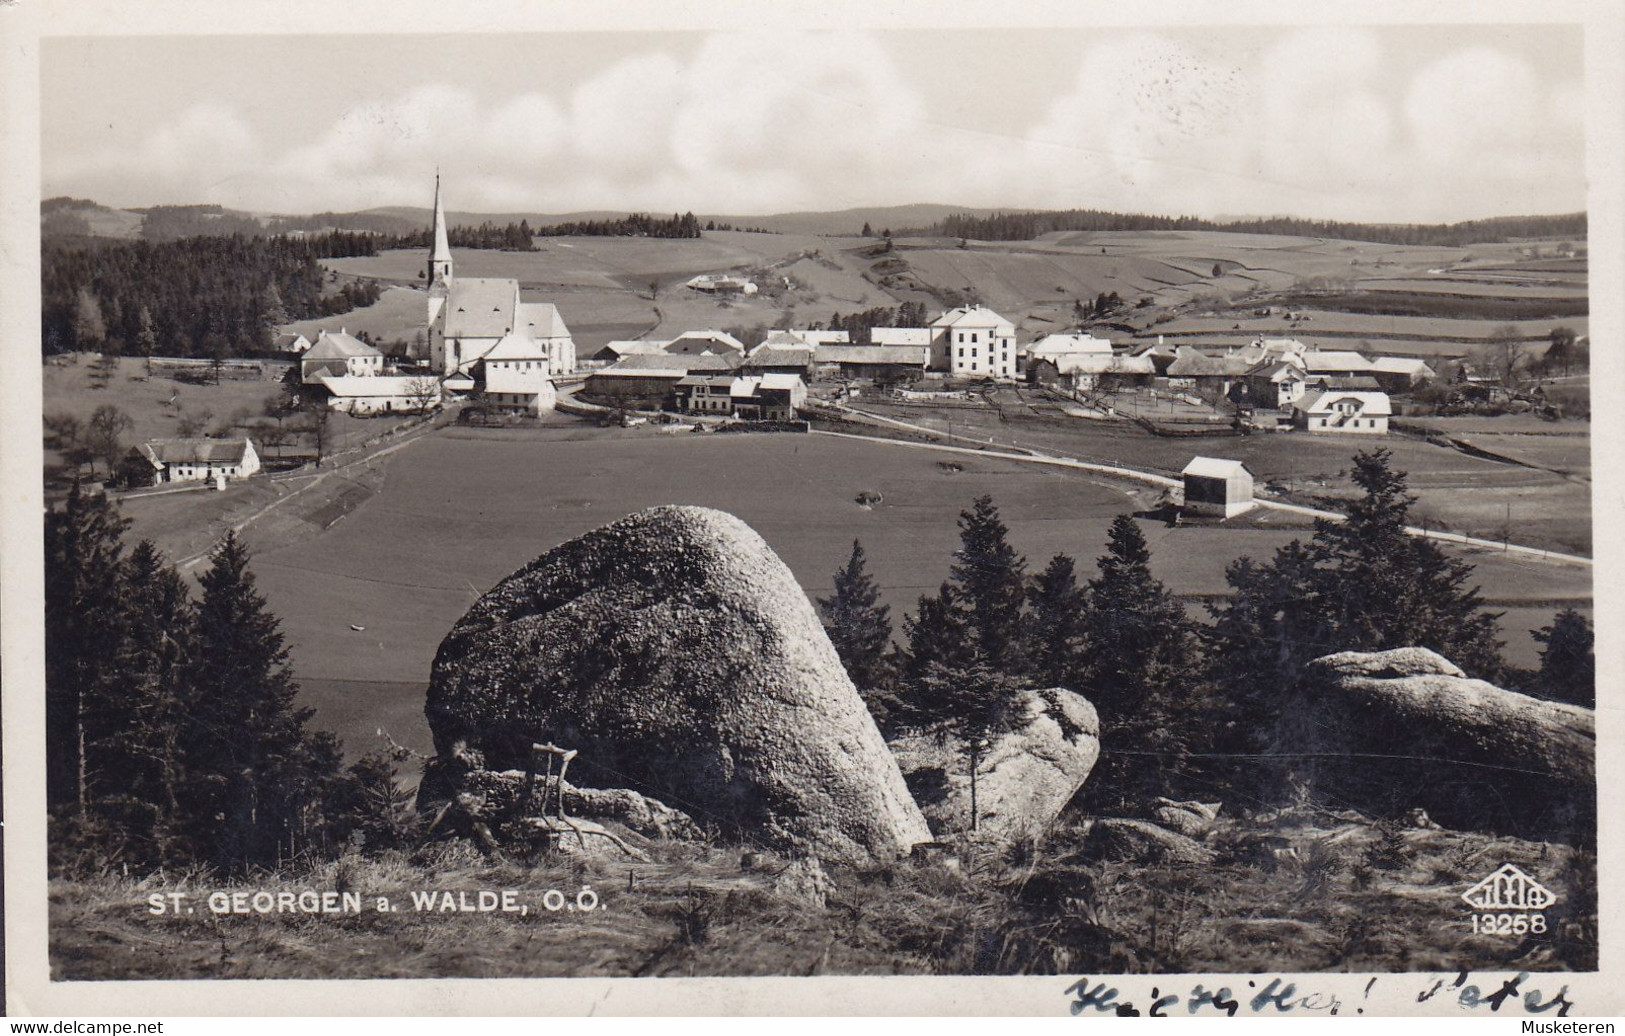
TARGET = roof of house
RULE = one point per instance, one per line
(766, 355)
(512, 380)
(384, 385)
(781, 381)
(338, 346)
(1188, 363)
(542, 320)
(1061, 345)
(791, 339)
(1102, 363)
(1401, 365)
(900, 336)
(1355, 382)
(971, 316)
(1317, 360)
(902, 355)
(1375, 404)
(706, 379)
(517, 345)
(195, 451)
(709, 338)
(638, 347)
(826, 337)
(480, 307)
(1215, 467)
(744, 388)
(664, 364)
(288, 338)
(1278, 370)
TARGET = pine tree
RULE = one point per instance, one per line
(89, 329)
(858, 624)
(252, 771)
(992, 582)
(937, 633)
(146, 337)
(84, 635)
(1568, 661)
(1057, 625)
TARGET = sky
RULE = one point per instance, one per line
(1391, 124)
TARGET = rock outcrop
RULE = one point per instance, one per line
(1139, 841)
(1394, 731)
(1024, 778)
(1194, 819)
(676, 652)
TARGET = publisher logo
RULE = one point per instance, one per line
(1509, 889)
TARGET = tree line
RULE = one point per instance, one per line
(198, 296)
(1180, 701)
(637, 224)
(173, 733)
(858, 325)
(1023, 226)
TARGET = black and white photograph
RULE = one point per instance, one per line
(820, 496)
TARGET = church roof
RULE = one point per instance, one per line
(542, 320)
(442, 250)
(480, 307)
(338, 346)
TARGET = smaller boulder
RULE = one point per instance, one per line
(804, 880)
(1139, 841)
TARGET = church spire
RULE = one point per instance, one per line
(440, 250)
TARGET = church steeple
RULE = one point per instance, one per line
(439, 250)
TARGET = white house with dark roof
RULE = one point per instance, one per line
(1342, 412)
(974, 341)
(198, 460)
(339, 355)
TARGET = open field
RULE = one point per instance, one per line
(1320, 323)
(445, 518)
(397, 315)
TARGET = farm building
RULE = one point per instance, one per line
(1162, 356)
(1196, 370)
(290, 343)
(1275, 384)
(818, 338)
(1218, 487)
(1051, 346)
(704, 394)
(788, 339)
(771, 397)
(339, 355)
(974, 341)
(1085, 372)
(381, 393)
(1353, 413)
(899, 336)
(649, 381)
(613, 351)
(1401, 373)
(468, 316)
(699, 343)
(721, 284)
(520, 385)
(1261, 349)
(1335, 362)
(198, 460)
(876, 362)
(780, 359)
(1347, 382)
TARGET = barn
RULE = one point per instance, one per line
(1217, 487)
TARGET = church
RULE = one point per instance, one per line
(480, 323)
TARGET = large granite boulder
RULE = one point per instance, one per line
(1024, 778)
(1140, 841)
(675, 652)
(1394, 731)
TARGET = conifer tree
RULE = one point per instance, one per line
(1568, 662)
(252, 771)
(938, 632)
(83, 639)
(992, 582)
(858, 624)
(1057, 625)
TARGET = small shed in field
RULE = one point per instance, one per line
(1218, 487)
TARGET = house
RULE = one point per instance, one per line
(974, 341)
(613, 351)
(1354, 413)
(899, 336)
(1051, 346)
(340, 355)
(704, 394)
(1161, 355)
(780, 359)
(1196, 370)
(290, 343)
(198, 460)
(1085, 372)
(771, 397)
(468, 316)
(721, 284)
(381, 394)
(649, 381)
(882, 363)
(514, 378)
(1261, 350)
(1217, 487)
(696, 343)
(1397, 374)
(1275, 384)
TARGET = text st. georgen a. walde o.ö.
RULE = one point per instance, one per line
(522, 903)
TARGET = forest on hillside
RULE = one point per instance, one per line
(198, 296)
(1024, 226)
